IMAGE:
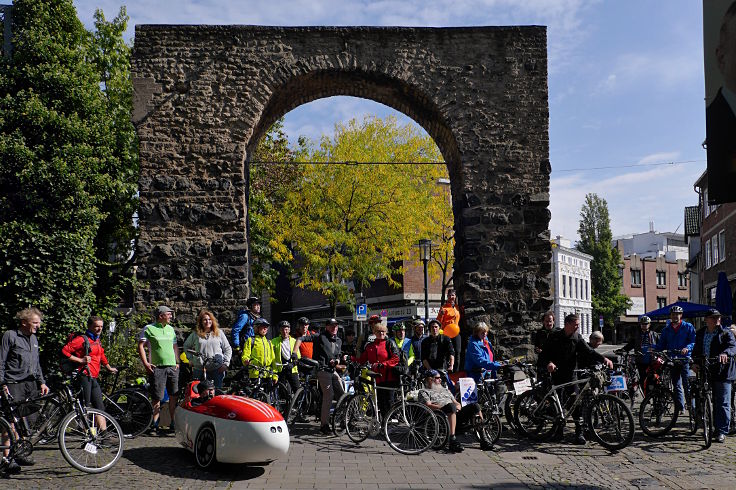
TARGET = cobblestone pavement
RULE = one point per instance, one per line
(315, 461)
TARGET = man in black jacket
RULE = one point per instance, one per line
(540, 336)
(560, 356)
(715, 340)
(327, 351)
(437, 350)
(642, 342)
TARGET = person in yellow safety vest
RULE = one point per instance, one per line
(403, 343)
(284, 345)
(258, 350)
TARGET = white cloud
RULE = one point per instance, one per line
(667, 156)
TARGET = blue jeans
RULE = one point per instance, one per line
(721, 406)
(212, 375)
(680, 383)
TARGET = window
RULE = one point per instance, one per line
(707, 255)
(722, 245)
(714, 245)
(587, 295)
(570, 284)
(706, 208)
(682, 279)
(635, 277)
(576, 288)
(661, 301)
(661, 278)
(564, 286)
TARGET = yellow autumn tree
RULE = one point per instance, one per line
(356, 223)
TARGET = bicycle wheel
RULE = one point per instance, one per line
(707, 417)
(410, 428)
(45, 428)
(692, 417)
(443, 430)
(337, 417)
(732, 427)
(86, 445)
(132, 410)
(535, 421)
(7, 441)
(610, 421)
(283, 400)
(657, 414)
(359, 417)
(508, 413)
(296, 407)
(489, 429)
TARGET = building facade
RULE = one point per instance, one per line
(571, 287)
(712, 244)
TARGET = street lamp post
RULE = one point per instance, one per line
(425, 253)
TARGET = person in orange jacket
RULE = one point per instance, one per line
(449, 318)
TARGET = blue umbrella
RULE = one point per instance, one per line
(724, 300)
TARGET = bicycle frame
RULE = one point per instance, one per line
(553, 393)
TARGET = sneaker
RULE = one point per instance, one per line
(152, 430)
(579, 439)
(12, 468)
(720, 438)
(484, 446)
(25, 460)
(325, 429)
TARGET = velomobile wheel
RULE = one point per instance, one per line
(205, 447)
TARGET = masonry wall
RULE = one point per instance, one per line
(204, 95)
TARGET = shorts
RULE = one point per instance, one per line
(164, 378)
(91, 391)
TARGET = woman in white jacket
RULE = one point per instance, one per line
(209, 340)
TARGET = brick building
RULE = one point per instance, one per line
(712, 243)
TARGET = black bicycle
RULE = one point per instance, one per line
(90, 440)
(130, 407)
(657, 412)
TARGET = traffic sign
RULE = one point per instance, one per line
(361, 312)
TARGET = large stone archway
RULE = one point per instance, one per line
(204, 95)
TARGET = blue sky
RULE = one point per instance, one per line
(626, 87)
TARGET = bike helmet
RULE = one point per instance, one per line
(374, 319)
(398, 326)
(645, 319)
(252, 300)
(676, 309)
(284, 324)
(419, 321)
(303, 321)
(261, 322)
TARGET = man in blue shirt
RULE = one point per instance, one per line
(243, 326)
(678, 336)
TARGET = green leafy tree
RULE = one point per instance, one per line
(595, 240)
(63, 148)
(357, 223)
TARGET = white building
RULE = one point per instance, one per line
(571, 285)
(650, 245)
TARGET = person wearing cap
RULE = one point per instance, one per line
(284, 350)
(449, 318)
(643, 342)
(258, 350)
(402, 342)
(479, 355)
(417, 338)
(548, 326)
(163, 368)
(205, 390)
(243, 327)
(678, 336)
(437, 397)
(715, 340)
(437, 351)
(349, 345)
(305, 328)
(328, 353)
(207, 339)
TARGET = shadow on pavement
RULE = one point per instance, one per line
(178, 462)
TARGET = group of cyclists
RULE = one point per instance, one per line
(436, 354)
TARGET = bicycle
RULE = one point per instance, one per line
(307, 399)
(627, 367)
(518, 377)
(657, 412)
(130, 407)
(606, 417)
(702, 399)
(265, 387)
(409, 427)
(90, 440)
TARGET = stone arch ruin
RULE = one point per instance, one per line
(205, 95)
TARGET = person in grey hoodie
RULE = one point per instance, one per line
(209, 340)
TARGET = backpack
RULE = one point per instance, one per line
(403, 366)
(68, 366)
